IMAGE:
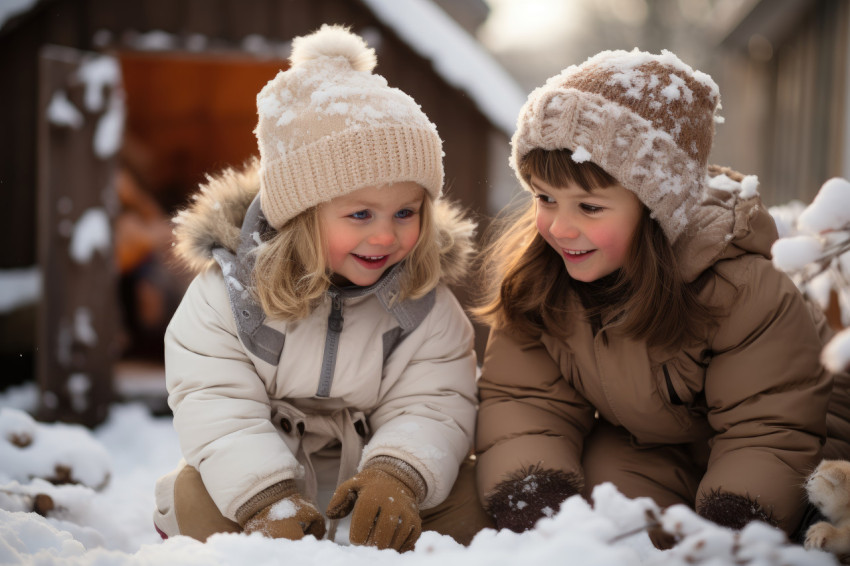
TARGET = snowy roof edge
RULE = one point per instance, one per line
(456, 56)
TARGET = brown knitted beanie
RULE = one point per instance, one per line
(647, 120)
(329, 126)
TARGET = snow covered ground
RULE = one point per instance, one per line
(105, 518)
(112, 525)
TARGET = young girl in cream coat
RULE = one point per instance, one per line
(318, 362)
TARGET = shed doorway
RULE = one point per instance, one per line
(187, 115)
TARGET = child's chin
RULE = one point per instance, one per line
(584, 277)
(366, 280)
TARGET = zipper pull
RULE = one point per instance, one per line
(335, 319)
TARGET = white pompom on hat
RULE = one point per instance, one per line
(329, 126)
(647, 120)
(334, 41)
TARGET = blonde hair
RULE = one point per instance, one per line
(290, 276)
(527, 288)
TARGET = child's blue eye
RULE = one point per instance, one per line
(360, 215)
(405, 213)
(545, 199)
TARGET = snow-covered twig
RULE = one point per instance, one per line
(815, 245)
(826, 259)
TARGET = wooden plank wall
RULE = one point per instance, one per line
(805, 134)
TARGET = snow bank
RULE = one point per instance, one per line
(113, 526)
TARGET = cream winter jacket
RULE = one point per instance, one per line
(254, 397)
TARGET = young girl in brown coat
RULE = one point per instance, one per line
(640, 334)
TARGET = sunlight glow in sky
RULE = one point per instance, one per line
(526, 25)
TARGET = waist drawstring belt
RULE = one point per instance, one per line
(318, 431)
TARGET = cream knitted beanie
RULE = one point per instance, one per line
(329, 126)
(647, 120)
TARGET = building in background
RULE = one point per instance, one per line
(113, 113)
(784, 71)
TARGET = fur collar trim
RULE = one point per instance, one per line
(214, 220)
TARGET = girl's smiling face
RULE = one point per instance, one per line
(591, 230)
(370, 230)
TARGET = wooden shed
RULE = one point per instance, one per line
(784, 71)
(122, 107)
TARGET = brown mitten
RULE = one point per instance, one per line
(385, 501)
(281, 512)
(732, 511)
(529, 495)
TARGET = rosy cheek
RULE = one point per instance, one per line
(541, 228)
(543, 223)
(615, 243)
(408, 239)
(333, 260)
(336, 253)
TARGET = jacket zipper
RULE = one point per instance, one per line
(335, 321)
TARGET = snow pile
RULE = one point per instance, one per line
(836, 354)
(11, 8)
(113, 526)
(745, 188)
(62, 112)
(92, 233)
(101, 79)
(814, 249)
(131, 449)
(62, 453)
(19, 288)
(101, 75)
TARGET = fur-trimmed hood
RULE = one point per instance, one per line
(214, 219)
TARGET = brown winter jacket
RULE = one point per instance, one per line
(752, 394)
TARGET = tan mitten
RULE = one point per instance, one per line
(281, 512)
(385, 499)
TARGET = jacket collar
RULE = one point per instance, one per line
(206, 239)
(220, 210)
(730, 222)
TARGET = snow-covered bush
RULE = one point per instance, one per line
(814, 249)
(58, 453)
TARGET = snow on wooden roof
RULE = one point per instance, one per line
(456, 56)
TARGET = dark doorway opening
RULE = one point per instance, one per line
(188, 115)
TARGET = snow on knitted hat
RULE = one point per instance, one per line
(329, 126)
(647, 120)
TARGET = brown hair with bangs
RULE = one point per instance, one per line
(527, 287)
